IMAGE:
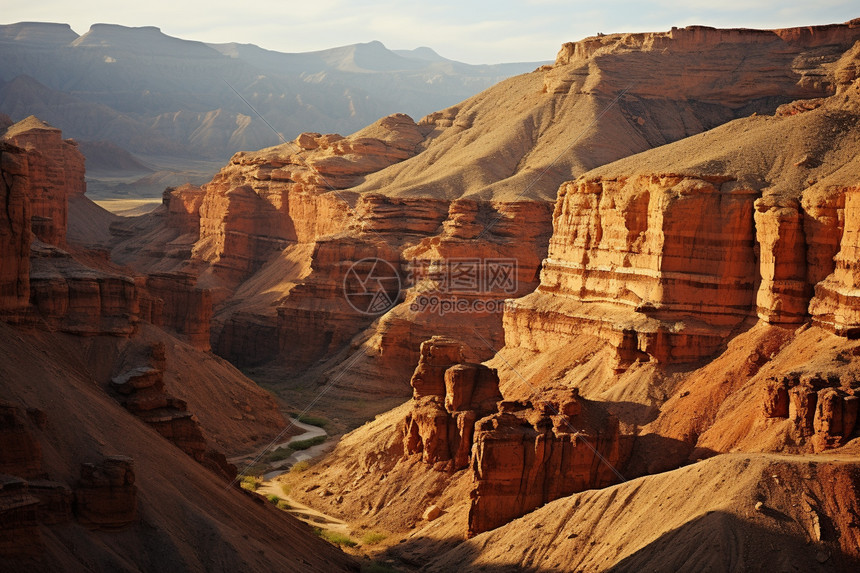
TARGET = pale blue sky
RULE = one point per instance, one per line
(474, 32)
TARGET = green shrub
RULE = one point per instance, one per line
(300, 467)
(251, 483)
(372, 538)
(312, 420)
(336, 538)
(305, 444)
(282, 504)
(279, 454)
(273, 498)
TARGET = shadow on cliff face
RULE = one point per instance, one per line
(721, 541)
(425, 554)
(653, 453)
(632, 413)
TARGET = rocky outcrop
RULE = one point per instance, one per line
(662, 267)
(836, 305)
(174, 301)
(20, 452)
(261, 202)
(15, 231)
(19, 519)
(140, 390)
(783, 295)
(823, 410)
(56, 172)
(521, 456)
(105, 496)
(27, 499)
(67, 296)
(526, 456)
(783, 62)
(449, 396)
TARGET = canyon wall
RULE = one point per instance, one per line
(15, 235)
(665, 267)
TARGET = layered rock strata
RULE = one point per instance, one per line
(56, 172)
(823, 411)
(105, 496)
(661, 266)
(141, 391)
(521, 455)
(836, 305)
(15, 233)
(449, 396)
(527, 455)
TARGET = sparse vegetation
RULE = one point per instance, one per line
(273, 498)
(312, 420)
(372, 538)
(300, 467)
(279, 454)
(286, 488)
(305, 444)
(335, 537)
(251, 483)
(283, 504)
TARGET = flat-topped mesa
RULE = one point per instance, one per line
(56, 172)
(788, 63)
(661, 266)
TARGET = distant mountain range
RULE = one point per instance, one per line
(165, 99)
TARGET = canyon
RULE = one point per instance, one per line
(613, 301)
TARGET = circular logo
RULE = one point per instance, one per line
(371, 286)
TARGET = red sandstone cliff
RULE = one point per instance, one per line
(701, 292)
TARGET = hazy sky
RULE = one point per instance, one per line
(474, 32)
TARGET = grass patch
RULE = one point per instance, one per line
(273, 498)
(312, 420)
(283, 504)
(300, 467)
(305, 444)
(279, 454)
(251, 483)
(335, 537)
(372, 538)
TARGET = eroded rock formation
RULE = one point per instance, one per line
(106, 496)
(141, 391)
(823, 410)
(55, 173)
(526, 456)
(15, 232)
(449, 396)
(521, 455)
(836, 304)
